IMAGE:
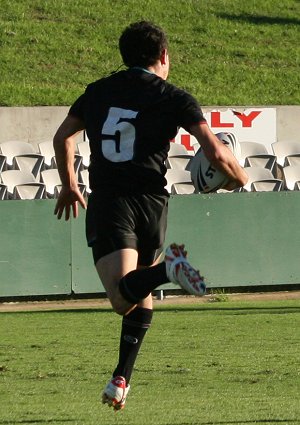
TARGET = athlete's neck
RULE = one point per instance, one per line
(142, 69)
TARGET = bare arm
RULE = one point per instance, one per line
(220, 156)
(64, 146)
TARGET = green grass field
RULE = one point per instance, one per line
(201, 364)
(219, 364)
(226, 52)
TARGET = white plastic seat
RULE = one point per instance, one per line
(84, 179)
(177, 149)
(256, 174)
(180, 162)
(30, 191)
(85, 152)
(47, 150)
(273, 185)
(22, 156)
(285, 148)
(291, 175)
(297, 185)
(58, 187)
(251, 149)
(15, 147)
(262, 161)
(51, 179)
(176, 176)
(30, 162)
(2, 163)
(182, 188)
(3, 192)
(12, 178)
(292, 160)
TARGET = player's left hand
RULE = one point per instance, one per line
(68, 200)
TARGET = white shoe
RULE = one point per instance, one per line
(115, 393)
(181, 272)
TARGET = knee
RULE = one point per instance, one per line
(121, 306)
(122, 310)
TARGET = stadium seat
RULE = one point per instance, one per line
(22, 156)
(291, 175)
(251, 149)
(29, 191)
(177, 149)
(47, 150)
(292, 160)
(3, 192)
(30, 162)
(84, 179)
(180, 162)
(273, 185)
(85, 152)
(12, 178)
(264, 161)
(182, 188)
(2, 163)
(51, 179)
(176, 176)
(283, 149)
(297, 185)
(257, 174)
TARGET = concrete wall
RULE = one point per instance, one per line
(38, 124)
(30, 124)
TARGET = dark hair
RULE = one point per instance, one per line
(141, 44)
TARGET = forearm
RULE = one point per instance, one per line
(225, 162)
(64, 147)
(219, 155)
(64, 153)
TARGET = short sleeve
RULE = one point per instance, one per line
(190, 111)
(77, 109)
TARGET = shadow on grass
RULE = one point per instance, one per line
(208, 308)
(260, 19)
(255, 421)
(36, 421)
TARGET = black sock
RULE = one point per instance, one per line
(134, 328)
(138, 284)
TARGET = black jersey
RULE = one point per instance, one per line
(130, 118)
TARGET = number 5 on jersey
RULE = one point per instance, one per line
(118, 135)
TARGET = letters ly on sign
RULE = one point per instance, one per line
(249, 125)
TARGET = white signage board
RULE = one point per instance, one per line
(248, 125)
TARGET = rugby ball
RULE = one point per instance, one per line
(204, 176)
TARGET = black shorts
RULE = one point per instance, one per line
(136, 221)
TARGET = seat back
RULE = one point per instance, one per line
(291, 175)
(250, 149)
(283, 149)
(51, 179)
(255, 174)
(85, 152)
(11, 178)
(14, 148)
(30, 191)
(182, 188)
(273, 185)
(177, 149)
(47, 150)
(180, 162)
(176, 176)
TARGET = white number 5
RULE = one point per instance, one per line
(118, 135)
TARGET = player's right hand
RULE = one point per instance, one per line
(68, 200)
